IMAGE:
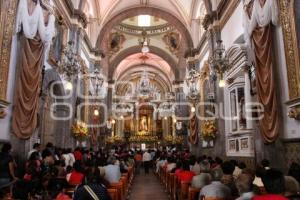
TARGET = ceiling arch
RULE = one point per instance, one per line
(137, 49)
(152, 60)
(173, 20)
(183, 9)
(154, 73)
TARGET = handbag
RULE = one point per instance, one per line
(91, 192)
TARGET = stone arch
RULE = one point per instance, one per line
(137, 49)
(187, 41)
(162, 79)
(52, 76)
(51, 130)
(173, 20)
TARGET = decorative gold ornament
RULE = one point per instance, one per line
(7, 25)
(287, 16)
(2, 113)
(294, 113)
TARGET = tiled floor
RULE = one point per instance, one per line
(147, 187)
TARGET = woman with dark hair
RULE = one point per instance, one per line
(93, 188)
(7, 166)
(76, 176)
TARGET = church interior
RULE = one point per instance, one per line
(209, 81)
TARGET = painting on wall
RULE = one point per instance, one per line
(244, 143)
(232, 145)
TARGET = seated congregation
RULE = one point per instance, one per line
(108, 174)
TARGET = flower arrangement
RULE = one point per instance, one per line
(80, 130)
(169, 139)
(174, 139)
(209, 130)
(141, 138)
(178, 140)
(115, 140)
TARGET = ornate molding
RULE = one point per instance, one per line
(294, 113)
(3, 105)
(136, 30)
(7, 24)
(287, 16)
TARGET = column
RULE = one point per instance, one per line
(248, 98)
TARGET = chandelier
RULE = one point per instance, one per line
(144, 42)
(144, 88)
(219, 62)
(70, 63)
(192, 80)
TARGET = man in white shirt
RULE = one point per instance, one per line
(36, 148)
(216, 189)
(112, 172)
(147, 161)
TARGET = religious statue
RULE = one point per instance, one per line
(35, 29)
(143, 124)
(242, 114)
(259, 18)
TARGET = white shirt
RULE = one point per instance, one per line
(147, 157)
(72, 159)
(112, 173)
(246, 196)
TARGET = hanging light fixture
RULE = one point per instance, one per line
(96, 112)
(219, 62)
(70, 64)
(144, 42)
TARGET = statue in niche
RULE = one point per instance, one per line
(242, 113)
(116, 41)
(35, 27)
(143, 124)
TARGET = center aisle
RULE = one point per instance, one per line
(147, 187)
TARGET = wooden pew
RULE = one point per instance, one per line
(171, 182)
(184, 190)
(113, 193)
(193, 193)
(119, 187)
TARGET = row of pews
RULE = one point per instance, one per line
(177, 190)
(180, 190)
(120, 190)
(117, 191)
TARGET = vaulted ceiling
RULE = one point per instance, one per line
(103, 10)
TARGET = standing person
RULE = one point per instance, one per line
(147, 160)
(7, 166)
(138, 161)
(36, 148)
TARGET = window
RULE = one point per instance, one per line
(237, 106)
(144, 20)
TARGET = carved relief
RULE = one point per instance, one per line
(7, 24)
(173, 41)
(115, 42)
(287, 16)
